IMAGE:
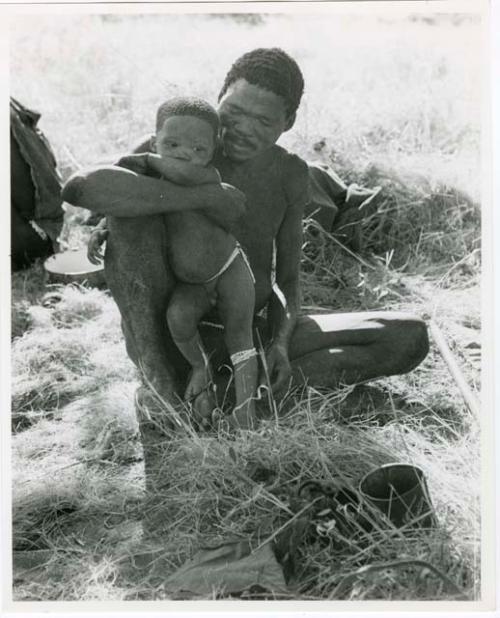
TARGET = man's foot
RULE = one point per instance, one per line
(243, 417)
(239, 419)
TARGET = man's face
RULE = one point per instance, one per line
(186, 138)
(252, 119)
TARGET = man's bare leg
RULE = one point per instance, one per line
(141, 282)
(346, 348)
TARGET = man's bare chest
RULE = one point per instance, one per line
(266, 201)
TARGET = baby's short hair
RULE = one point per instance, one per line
(272, 69)
(187, 106)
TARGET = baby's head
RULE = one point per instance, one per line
(186, 129)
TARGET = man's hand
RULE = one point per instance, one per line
(278, 368)
(94, 247)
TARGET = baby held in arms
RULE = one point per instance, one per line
(210, 266)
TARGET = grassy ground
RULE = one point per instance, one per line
(388, 103)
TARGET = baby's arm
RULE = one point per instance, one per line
(183, 172)
(130, 193)
(175, 170)
(137, 163)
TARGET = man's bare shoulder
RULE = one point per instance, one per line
(294, 174)
(289, 159)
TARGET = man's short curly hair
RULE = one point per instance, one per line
(187, 106)
(272, 69)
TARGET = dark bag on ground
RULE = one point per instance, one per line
(36, 204)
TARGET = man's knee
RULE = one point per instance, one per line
(421, 339)
(412, 340)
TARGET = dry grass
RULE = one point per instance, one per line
(79, 477)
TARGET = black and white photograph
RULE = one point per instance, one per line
(249, 359)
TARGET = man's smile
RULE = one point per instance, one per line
(237, 140)
(237, 147)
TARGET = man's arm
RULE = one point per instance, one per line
(284, 304)
(119, 192)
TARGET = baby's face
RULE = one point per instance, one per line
(187, 138)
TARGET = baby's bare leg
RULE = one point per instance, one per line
(235, 304)
(188, 305)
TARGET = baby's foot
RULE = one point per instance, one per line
(199, 394)
(202, 407)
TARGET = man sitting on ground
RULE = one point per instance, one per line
(257, 103)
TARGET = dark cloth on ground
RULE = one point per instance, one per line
(36, 204)
(328, 194)
(231, 568)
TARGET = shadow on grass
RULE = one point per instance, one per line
(372, 405)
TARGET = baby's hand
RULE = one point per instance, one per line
(172, 169)
(183, 172)
(137, 163)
